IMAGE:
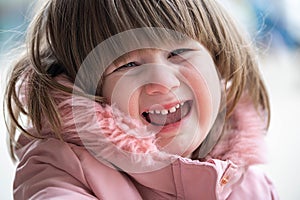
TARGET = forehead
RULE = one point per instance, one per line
(135, 40)
(164, 47)
(140, 39)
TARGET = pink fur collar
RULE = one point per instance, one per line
(244, 144)
(87, 123)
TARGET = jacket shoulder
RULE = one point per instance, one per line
(49, 167)
(254, 184)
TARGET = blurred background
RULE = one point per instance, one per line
(273, 25)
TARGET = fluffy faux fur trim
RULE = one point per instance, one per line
(104, 130)
(244, 142)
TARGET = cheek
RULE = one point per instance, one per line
(125, 98)
(108, 88)
(133, 104)
(202, 97)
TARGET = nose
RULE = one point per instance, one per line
(161, 80)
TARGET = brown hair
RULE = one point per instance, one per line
(63, 33)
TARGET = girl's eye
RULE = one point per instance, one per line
(127, 65)
(178, 51)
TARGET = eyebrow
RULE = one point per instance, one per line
(136, 53)
(125, 57)
(122, 58)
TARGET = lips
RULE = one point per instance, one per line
(169, 116)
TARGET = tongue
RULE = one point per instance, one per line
(163, 120)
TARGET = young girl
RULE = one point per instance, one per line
(137, 100)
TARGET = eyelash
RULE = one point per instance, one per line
(178, 52)
(126, 66)
(172, 54)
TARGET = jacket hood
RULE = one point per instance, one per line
(110, 135)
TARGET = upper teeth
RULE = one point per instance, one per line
(166, 111)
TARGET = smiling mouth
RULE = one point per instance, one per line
(168, 116)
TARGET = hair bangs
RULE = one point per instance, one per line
(121, 16)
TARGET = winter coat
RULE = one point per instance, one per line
(100, 157)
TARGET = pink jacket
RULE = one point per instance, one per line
(101, 158)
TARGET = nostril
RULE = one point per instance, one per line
(154, 89)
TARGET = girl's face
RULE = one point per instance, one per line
(169, 90)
